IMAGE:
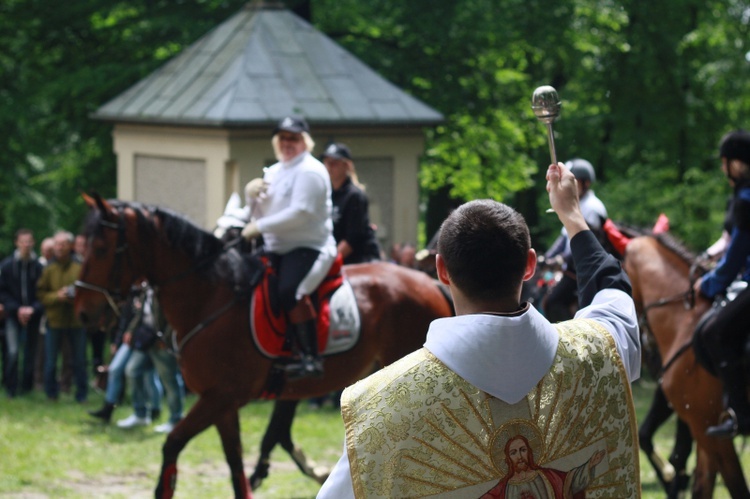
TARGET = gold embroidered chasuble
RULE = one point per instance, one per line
(417, 429)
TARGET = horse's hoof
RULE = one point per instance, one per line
(255, 482)
(321, 474)
(679, 488)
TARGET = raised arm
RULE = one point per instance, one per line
(595, 268)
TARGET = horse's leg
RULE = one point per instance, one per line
(658, 413)
(286, 417)
(279, 426)
(203, 414)
(229, 430)
(682, 447)
(279, 431)
(730, 468)
(714, 456)
(704, 476)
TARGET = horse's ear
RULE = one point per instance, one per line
(95, 201)
(90, 202)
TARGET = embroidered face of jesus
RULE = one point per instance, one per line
(519, 455)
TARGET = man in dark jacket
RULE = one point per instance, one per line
(18, 277)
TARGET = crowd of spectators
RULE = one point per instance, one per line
(45, 347)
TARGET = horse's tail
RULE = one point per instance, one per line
(446, 292)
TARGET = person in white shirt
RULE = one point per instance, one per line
(560, 303)
(291, 209)
(440, 420)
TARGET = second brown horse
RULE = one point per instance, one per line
(660, 271)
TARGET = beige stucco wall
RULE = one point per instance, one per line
(230, 158)
(210, 147)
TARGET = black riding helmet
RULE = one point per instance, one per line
(736, 145)
(581, 169)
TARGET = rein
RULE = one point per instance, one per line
(178, 347)
(688, 302)
(113, 295)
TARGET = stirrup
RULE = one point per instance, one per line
(727, 428)
(308, 366)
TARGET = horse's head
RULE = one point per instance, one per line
(108, 270)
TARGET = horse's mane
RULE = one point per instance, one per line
(181, 233)
(207, 251)
(666, 239)
(671, 243)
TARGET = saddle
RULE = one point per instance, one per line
(338, 321)
(268, 321)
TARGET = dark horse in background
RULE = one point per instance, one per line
(660, 269)
(204, 292)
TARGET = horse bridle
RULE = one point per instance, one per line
(112, 295)
(688, 302)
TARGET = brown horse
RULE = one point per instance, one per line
(660, 270)
(203, 289)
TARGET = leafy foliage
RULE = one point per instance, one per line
(58, 65)
(648, 88)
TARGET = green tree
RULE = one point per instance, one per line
(647, 88)
(58, 64)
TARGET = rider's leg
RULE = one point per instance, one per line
(293, 268)
(732, 375)
(302, 318)
(729, 332)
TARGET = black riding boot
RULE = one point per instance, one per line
(302, 318)
(307, 339)
(737, 420)
(105, 413)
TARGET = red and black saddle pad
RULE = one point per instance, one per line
(268, 322)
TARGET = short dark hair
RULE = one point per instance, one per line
(22, 232)
(484, 245)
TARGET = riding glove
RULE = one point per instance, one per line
(250, 231)
(255, 188)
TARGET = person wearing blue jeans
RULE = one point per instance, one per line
(56, 291)
(77, 339)
(174, 386)
(115, 378)
(150, 352)
(140, 369)
(120, 359)
(145, 385)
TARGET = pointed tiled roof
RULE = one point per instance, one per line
(260, 65)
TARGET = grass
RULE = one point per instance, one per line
(57, 450)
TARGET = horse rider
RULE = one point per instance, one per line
(291, 209)
(559, 302)
(726, 333)
(355, 237)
